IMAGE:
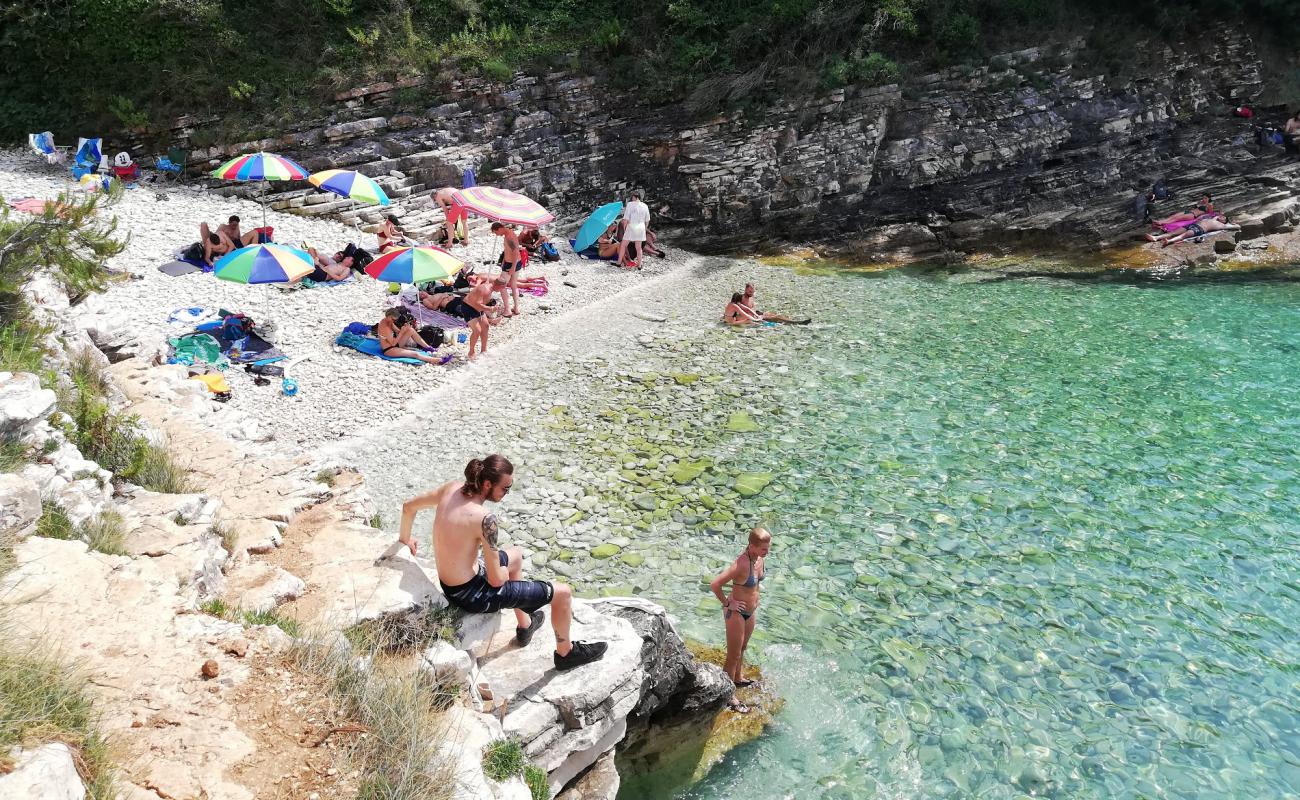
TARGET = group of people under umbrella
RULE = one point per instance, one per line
(254, 258)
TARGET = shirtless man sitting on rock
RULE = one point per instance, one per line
(461, 526)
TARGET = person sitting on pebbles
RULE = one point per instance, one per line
(464, 529)
(399, 339)
(390, 235)
(740, 607)
(735, 314)
(215, 243)
(747, 308)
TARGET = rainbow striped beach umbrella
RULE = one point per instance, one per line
(260, 167)
(414, 265)
(350, 184)
(502, 205)
(264, 263)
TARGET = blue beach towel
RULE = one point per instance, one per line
(370, 346)
(592, 253)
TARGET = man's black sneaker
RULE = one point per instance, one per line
(525, 635)
(581, 653)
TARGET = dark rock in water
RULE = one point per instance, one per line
(675, 681)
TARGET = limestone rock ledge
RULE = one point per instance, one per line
(266, 534)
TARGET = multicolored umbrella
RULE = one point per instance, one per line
(502, 205)
(260, 167)
(350, 184)
(414, 265)
(596, 224)
(264, 263)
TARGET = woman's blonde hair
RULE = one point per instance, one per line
(760, 536)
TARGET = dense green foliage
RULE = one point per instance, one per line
(82, 66)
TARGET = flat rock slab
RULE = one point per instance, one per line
(561, 717)
(125, 622)
(46, 772)
(348, 581)
(261, 587)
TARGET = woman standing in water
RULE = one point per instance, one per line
(745, 574)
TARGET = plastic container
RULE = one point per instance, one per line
(289, 386)
(462, 337)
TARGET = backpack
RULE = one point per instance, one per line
(235, 327)
(360, 258)
(548, 252)
(1161, 191)
(433, 335)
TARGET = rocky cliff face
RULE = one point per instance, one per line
(1028, 141)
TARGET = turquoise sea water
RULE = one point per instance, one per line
(1034, 537)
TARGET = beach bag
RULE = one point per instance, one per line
(548, 252)
(360, 258)
(433, 335)
(235, 328)
(193, 253)
(359, 329)
(1243, 111)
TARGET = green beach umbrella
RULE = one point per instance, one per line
(264, 263)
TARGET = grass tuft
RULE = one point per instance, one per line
(538, 783)
(42, 701)
(504, 759)
(286, 624)
(401, 757)
(54, 523)
(13, 454)
(114, 440)
(106, 533)
(326, 477)
(215, 607)
(377, 521)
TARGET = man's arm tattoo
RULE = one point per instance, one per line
(490, 531)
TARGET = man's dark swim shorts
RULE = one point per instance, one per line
(477, 596)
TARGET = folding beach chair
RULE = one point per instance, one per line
(43, 145)
(89, 157)
(173, 164)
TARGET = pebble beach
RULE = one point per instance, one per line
(340, 391)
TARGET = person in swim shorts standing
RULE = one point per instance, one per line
(462, 527)
(739, 609)
(511, 263)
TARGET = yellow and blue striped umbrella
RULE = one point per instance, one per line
(350, 184)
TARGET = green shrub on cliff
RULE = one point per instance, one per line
(92, 65)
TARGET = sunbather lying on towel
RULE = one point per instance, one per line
(335, 268)
(1209, 224)
(399, 339)
(1205, 206)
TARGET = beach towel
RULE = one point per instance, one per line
(190, 317)
(308, 283)
(370, 346)
(35, 205)
(592, 253)
(253, 349)
(427, 316)
(1170, 227)
(195, 348)
(178, 268)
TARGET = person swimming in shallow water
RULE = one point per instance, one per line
(739, 608)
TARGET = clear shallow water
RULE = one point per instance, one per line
(1033, 537)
